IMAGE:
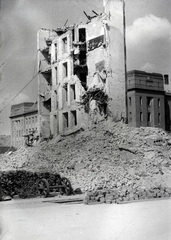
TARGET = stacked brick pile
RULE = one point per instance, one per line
(125, 194)
(107, 155)
(24, 183)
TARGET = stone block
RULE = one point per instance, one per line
(108, 201)
(102, 199)
(159, 195)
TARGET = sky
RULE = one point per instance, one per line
(148, 41)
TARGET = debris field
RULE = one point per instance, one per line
(107, 159)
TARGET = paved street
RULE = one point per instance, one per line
(34, 219)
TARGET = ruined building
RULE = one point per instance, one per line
(82, 72)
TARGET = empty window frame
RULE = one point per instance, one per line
(83, 57)
(159, 117)
(82, 35)
(149, 101)
(141, 101)
(65, 88)
(74, 117)
(149, 117)
(65, 69)
(141, 116)
(65, 46)
(83, 79)
(73, 34)
(56, 51)
(159, 102)
(72, 92)
(65, 120)
(56, 75)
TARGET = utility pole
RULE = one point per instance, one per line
(125, 60)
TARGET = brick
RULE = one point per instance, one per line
(166, 194)
(159, 195)
(131, 199)
(102, 199)
(136, 197)
(108, 201)
(92, 198)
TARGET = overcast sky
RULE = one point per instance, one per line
(148, 34)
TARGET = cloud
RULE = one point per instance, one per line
(148, 67)
(145, 30)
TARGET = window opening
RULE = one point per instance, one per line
(149, 101)
(65, 44)
(159, 118)
(83, 79)
(82, 35)
(65, 69)
(149, 117)
(66, 92)
(55, 51)
(65, 120)
(73, 35)
(141, 116)
(82, 57)
(74, 117)
(73, 93)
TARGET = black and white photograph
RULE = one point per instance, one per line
(85, 119)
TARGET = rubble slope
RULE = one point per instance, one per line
(106, 155)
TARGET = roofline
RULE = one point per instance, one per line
(25, 113)
(144, 73)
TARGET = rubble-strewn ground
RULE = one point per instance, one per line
(107, 155)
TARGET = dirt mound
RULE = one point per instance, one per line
(107, 155)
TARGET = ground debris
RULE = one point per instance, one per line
(107, 155)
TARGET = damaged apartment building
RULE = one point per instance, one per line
(82, 72)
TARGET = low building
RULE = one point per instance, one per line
(23, 121)
(146, 99)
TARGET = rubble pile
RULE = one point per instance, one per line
(125, 194)
(107, 155)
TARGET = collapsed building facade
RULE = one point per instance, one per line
(82, 72)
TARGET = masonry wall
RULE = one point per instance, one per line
(66, 110)
(140, 113)
(109, 54)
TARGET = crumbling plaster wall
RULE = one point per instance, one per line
(62, 97)
(44, 83)
(111, 51)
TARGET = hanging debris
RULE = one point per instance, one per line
(99, 96)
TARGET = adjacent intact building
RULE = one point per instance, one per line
(146, 99)
(23, 121)
(82, 69)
